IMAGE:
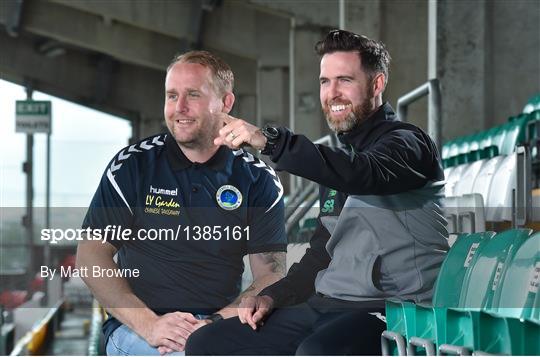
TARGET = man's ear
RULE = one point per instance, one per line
(378, 84)
(228, 102)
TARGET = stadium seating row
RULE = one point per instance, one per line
(501, 139)
(492, 142)
(486, 301)
(497, 184)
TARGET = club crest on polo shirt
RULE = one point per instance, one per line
(228, 197)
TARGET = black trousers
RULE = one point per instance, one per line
(321, 326)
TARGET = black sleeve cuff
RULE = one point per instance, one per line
(279, 292)
(284, 137)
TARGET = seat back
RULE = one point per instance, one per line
(499, 199)
(535, 313)
(468, 176)
(453, 178)
(518, 290)
(453, 269)
(482, 183)
(488, 265)
(498, 136)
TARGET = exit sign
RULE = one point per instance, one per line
(33, 116)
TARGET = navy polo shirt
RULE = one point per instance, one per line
(215, 212)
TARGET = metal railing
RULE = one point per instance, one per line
(432, 89)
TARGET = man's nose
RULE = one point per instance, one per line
(333, 91)
(181, 105)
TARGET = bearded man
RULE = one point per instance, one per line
(381, 233)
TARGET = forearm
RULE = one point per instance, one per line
(255, 288)
(113, 293)
(298, 285)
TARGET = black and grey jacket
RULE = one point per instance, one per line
(381, 232)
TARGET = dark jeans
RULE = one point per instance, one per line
(320, 326)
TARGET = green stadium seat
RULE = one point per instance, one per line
(480, 283)
(535, 115)
(505, 137)
(490, 152)
(454, 147)
(506, 335)
(430, 321)
(535, 313)
(452, 161)
(518, 291)
(515, 133)
(461, 159)
(475, 141)
(498, 136)
(465, 145)
(448, 288)
(418, 324)
(444, 150)
(533, 104)
(487, 140)
(423, 335)
(503, 328)
(472, 156)
(488, 267)
(398, 322)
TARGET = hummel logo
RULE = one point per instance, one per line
(162, 191)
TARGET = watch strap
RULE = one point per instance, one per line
(215, 317)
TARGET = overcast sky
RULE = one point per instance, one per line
(83, 141)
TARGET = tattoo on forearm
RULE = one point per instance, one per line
(277, 263)
(276, 260)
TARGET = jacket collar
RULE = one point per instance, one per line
(362, 130)
(179, 161)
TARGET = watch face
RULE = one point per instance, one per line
(271, 132)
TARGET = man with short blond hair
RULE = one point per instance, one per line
(220, 205)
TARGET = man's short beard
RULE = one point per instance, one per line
(198, 143)
(202, 141)
(358, 114)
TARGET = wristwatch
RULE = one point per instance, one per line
(215, 317)
(272, 135)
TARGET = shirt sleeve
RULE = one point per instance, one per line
(266, 214)
(113, 203)
(401, 160)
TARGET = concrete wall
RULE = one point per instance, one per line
(488, 61)
(404, 32)
(309, 118)
(461, 63)
(515, 57)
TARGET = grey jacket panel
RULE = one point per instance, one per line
(386, 246)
